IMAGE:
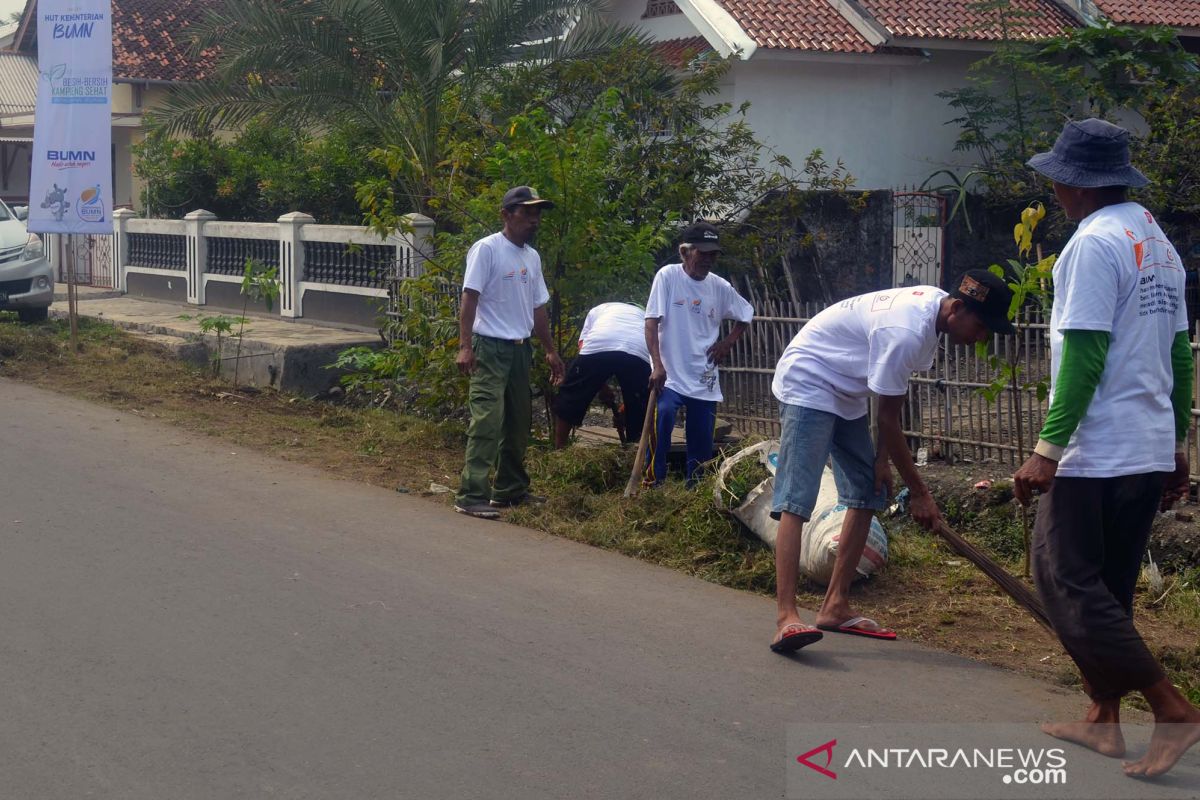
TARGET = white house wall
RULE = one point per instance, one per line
(672, 26)
(885, 121)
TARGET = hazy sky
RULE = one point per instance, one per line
(7, 7)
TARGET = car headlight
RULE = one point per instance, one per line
(33, 248)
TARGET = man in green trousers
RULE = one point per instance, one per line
(503, 301)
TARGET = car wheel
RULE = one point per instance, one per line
(28, 315)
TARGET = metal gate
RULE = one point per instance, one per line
(918, 238)
(92, 257)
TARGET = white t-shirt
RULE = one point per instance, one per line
(617, 327)
(510, 285)
(690, 314)
(870, 343)
(1120, 274)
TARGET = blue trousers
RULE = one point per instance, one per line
(699, 429)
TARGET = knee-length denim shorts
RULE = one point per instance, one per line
(808, 438)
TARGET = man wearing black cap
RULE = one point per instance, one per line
(687, 305)
(1112, 449)
(504, 300)
(870, 344)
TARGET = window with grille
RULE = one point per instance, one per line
(660, 8)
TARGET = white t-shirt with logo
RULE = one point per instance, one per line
(870, 343)
(1118, 273)
(510, 285)
(690, 314)
(619, 327)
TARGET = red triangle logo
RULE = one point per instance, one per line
(827, 749)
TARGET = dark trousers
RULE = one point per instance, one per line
(589, 372)
(699, 428)
(1088, 543)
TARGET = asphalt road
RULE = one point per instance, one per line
(181, 620)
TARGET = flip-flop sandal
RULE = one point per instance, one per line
(850, 626)
(802, 636)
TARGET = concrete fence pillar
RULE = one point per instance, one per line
(120, 247)
(291, 262)
(197, 254)
(413, 244)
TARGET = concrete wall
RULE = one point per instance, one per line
(157, 287)
(343, 309)
(883, 119)
(675, 26)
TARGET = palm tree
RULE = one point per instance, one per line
(408, 71)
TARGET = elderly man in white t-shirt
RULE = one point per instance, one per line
(870, 344)
(612, 343)
(1113, 444)
(504, 300)
(687, 305)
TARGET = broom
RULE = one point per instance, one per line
(639, 460)
(1011, 586)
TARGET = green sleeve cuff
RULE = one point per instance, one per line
(1079, 371)
(1181, 395)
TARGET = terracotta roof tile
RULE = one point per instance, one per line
(956, 19)
(797, 25)
(150, 40)
(815, 25)
(677, 52)
(1177, 13)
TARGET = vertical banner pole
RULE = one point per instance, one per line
(72, 293)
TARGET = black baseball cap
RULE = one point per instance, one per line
(704, 236)
(988, 296)
(523, 196)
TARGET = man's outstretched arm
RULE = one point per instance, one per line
(892, 443)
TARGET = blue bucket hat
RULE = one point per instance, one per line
(1088, 155)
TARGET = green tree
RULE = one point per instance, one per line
(1018, 97)
(626, 149)
(408, 71)
(262, 173)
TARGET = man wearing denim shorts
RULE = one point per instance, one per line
(870, 344)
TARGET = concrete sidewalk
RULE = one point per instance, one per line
(289, 356)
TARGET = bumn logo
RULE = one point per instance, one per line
(70, 155)
(827, 749)
(78, 30)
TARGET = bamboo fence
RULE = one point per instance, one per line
(946, 411)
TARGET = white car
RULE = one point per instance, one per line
(26, 279)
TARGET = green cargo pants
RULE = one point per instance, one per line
(501, 412)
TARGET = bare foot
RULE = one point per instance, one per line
(1168, 743)
(1103, 737)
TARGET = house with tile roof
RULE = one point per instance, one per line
(150, 55)
(858, 79)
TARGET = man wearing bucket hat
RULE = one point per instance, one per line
(503, 300)
(870, 344)
(1112, 447)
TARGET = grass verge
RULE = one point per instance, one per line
(926, 592)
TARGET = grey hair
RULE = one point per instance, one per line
(686, 247)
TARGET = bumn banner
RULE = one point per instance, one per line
(70, 188)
